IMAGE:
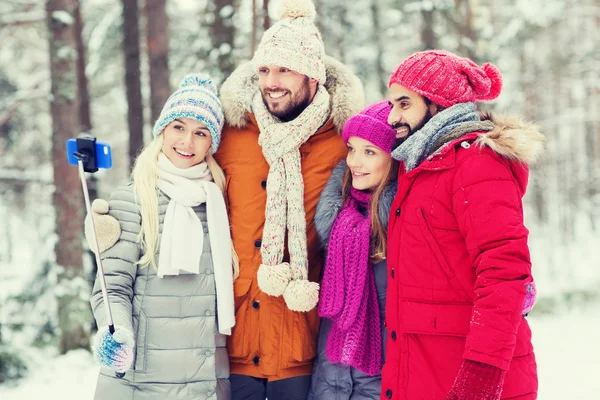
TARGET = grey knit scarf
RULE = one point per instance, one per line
(420, 145)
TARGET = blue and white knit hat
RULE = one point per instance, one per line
(197, 99)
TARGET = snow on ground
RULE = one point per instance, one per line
(69, 377)
(566, 345)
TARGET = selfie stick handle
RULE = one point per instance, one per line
(111, 326)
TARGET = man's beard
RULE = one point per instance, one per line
(411, 131)
(294, 106)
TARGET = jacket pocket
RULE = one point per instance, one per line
(304, 337)
(140, 326)
(436, 319)
(434, 337)
(433, 244)
(239, 346)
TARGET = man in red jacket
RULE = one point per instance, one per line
(458, 261)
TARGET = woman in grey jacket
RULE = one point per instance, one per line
(351, 221)
(170, 274)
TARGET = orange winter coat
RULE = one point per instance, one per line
(269, 340)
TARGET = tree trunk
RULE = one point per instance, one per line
(85, 126)
(72, 310)
(380, 70)
(131, 48)
(253, 39)
(157, 36)
(223, 34)
(428, 38)
(266, 18)
(85, 115)
(319, 16)
(466, 31)
(85, 119)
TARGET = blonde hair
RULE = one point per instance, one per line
(144, 176)
(378, 245)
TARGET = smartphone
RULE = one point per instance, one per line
(98, 154)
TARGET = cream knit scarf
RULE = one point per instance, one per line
(280, 142)
(182, 238)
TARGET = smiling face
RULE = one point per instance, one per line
(186, 142)
(410, 111)
(286, 93)
(367, 162)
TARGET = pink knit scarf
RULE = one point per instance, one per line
(348, 294)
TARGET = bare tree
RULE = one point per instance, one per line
(67, 196)
(428, 38)
(223, 35)
(319, 18)
(254, 38)
(465, 28)
(131, 48)
(379, 68)
(266, 18)
(157, 26)
(85, 119)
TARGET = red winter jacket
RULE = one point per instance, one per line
(458, 263)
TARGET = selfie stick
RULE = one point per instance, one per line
(81, 158)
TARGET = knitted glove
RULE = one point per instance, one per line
(108, 229)
(477, 381)
(114, 351)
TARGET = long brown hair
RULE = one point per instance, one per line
(378, 232)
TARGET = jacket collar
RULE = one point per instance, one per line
(511, 138)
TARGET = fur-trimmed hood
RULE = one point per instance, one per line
(513, 138)
(331, 203)
(345, 89)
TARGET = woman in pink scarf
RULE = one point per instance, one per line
(351, 221)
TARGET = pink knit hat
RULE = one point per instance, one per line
(371, 125)
(447, 79)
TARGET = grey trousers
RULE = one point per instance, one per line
(245, 387)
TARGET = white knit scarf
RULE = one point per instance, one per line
(182, 238)
(280, 142)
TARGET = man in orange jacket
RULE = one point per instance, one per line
(284, 111)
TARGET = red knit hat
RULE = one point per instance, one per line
(447, 79)
(371, 125)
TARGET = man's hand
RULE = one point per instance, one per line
(107, 227)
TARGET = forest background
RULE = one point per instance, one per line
(106, 67)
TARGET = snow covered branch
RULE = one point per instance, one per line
(16, 175)
(22, 18)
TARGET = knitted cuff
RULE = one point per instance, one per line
(477, 381)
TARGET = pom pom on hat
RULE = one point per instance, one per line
(496, 81)
(297, 9)
(447, 79)
(199, 80)
(197, 98)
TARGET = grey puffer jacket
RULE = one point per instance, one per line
(178, 350)
(338, 381)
